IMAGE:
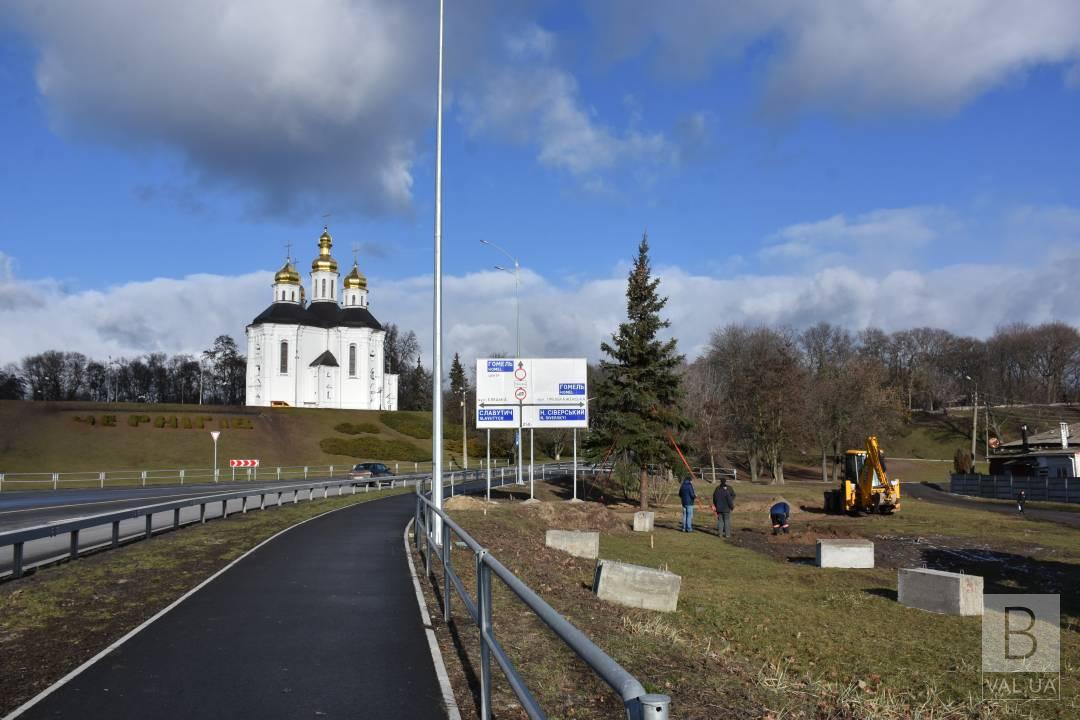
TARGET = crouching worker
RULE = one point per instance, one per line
(779, 513)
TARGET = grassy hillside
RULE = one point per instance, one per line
(80, 436)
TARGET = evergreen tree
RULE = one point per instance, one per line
(637, 400)
(459, 384)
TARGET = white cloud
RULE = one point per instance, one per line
(887, 238)
(856, 57)
(174, 315)
(538, 103)
(305, 104)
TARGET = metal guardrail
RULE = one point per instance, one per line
(168, 476)
(18, 538)
(639, 704)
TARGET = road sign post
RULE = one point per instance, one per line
(215, 434)
(522, 393)
(489, 464)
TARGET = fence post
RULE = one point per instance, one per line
(176, 518)
(331, 471)
(446, 571)
(17, 560)
(1, 482)
(483, 614)
(55, 480)
(305, 472)
(279, 473)
(181, 477)
(142, 476)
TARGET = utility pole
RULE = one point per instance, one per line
(436, 345)
(464, 434)
(974, 422)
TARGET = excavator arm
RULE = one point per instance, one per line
(888, 491)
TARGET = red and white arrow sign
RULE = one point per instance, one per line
(243, 463)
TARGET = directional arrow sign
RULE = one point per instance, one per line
(534, 386)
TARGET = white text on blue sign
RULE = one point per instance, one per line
(495, 415)
(562, 414)
(571, 388)
(500, 366)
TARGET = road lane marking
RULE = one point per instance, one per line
(77, 671)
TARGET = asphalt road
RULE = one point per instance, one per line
(321, 622)
(931, 494)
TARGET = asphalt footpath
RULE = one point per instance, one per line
(321, 622)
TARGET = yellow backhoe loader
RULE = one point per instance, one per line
(865, 487)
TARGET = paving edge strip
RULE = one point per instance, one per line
(135, 631)
(436, 654)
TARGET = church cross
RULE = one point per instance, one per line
(288, 250)
(356, 253)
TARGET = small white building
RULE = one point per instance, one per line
(328, 353)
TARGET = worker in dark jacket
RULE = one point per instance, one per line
(688, 497)
(723, 502)
(779, 513)
(1021, 499)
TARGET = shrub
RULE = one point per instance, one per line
(413, 424)
(357, 428)
(374, 448)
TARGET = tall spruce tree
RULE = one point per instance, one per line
(637, 401)
(459, 384)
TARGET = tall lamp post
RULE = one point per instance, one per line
(436, 342)
(464, 435)
(974, 416)
(516, 272)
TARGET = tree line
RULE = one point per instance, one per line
(216, 376)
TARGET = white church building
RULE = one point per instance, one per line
(326, 353)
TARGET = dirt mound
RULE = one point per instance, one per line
(465, 502)
(762, 506)
(578, 516)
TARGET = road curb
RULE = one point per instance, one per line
(452, 711)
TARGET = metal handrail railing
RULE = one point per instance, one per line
(19, 537)
(14, 480)
(639, 704)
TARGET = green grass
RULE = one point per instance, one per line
(788, 635)
(60, 437)
(358, 428)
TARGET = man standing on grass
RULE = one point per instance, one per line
(688, 497)
(723, 502)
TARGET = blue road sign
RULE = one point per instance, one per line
(561, 414)
(572, 389)
(500, 366)
(495, 414)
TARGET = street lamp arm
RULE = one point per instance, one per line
(503, 251)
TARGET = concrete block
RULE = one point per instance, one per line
(636, 586)
(939, 591)
(643, 521)
(577, 543)
(845, 553)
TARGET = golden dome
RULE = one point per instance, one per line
(287, 274)
(355, 280)
(324, 262)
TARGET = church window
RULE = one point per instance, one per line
(294, 295)
(332, 291)
(284, 356)
(352, 361)
(324, 287)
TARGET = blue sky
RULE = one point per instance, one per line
(791, 162)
